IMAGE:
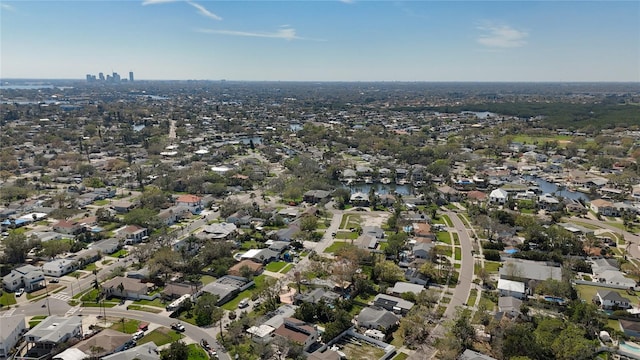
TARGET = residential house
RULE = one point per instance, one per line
(109, 341)
(86, 256)
(124, 288)
(316, 196)
(414, 276)
(239, 218)
(191, 202)
(615, 277)
(122, 206)
(133, 234)
(174, 290)
(469, 354)
(509, 305)
(173, 214)
(227, 287)
(67, 227)
(630, 328)
(263, 256)
(377, 318)
(59, 267)
(277, 246)
(402, 287)
(359, 199)
(422, 250)
(28, 277)
(498, 196)
(603, 207)
(610, 299)
(218, 231)
(526, 270)
(11, 332)
(392, 303)
(146, 351)
(549, 202)
(252, 266)
(107, 246)
(52, 332)
(423, 232)
(141, 274)
(476, 197)
(316, 295)
(512, 288)
(299, 332)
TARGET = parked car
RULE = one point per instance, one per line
(54, 281)
(20, 292)
(138, 335)
(243, 303)
(177, 327)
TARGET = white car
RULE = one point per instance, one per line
(20, 292)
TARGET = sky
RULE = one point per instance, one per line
(313, 40)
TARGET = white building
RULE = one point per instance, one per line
(10, 333)
(28, 277)
(59, 267)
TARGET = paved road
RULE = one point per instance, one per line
(634, 250)
(462, 290)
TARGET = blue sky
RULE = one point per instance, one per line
(323, 40)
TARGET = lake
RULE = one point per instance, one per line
(549, 187)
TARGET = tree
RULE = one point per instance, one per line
(414, 328)
(571, 344)
(176, 351)
(16, 247)
(389, 272)
(164, 261)
(206, 311)
(462, 329)
(395, 244)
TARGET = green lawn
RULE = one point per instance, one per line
(456, 239)
(444, 237)
(458, 253)
(7, 298)
(445, 250)
(206, 279)
(275, 266)
(400, 356)
(122, 252)
(154, 302)
(489, 305)
(286, 269)
(347, 235)
(587, 292)
(492, 266)
(102, 202)
(196, 352)
(144, 308)
(161, 336)
(90, 267)
(473, 294)
(39, 317)
(350, 221)
(446, 220)
(129, 326)
(336, 246)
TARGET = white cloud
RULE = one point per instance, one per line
(282, 33)
(502, 36)
(154, 2)
(285, 32)
(7, 7)
(203, 11)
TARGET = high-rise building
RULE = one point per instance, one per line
(101, 76)
(91, 78)
(130, 76)
(116, 77)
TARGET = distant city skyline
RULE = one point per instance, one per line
(349, 40)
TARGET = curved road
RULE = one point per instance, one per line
(462, 290)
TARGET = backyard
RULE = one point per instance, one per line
(128, 327)
(337, 245)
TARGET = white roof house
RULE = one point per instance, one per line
(498, 196)
(511, 288)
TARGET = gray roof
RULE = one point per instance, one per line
(318, 294)
(509, 303)
(146, 351)
(388, 301)
(55, 328)
(527, 269)
(377, 317)
(474, 355)
(403, 287)
(612, 296)
(9, 324)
